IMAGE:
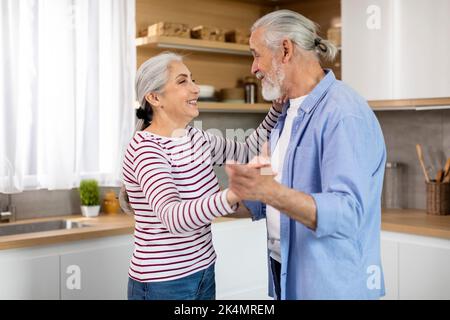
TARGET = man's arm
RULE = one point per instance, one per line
(297, 205)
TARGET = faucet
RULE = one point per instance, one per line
(10, 214)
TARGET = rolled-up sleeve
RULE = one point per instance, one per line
(257, 209)
(347, 162)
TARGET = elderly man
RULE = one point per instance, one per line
(323, 205)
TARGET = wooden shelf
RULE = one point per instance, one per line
(411, 104)
(193, 45)
(376, 105)
(233, 107)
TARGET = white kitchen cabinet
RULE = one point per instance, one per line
(396, 49)
(33, 274)
(96, 269)
(389, 260)
(100, 266)
(415, 267)
(241, 267)
(424, 271)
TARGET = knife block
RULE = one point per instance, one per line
(438, 198)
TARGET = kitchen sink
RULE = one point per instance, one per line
(8, 230)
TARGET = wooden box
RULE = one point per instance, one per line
(237, 36)
(168, 29)
(207, 33)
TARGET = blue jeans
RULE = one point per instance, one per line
(198, 286)
(276, 271)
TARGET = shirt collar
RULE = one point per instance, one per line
(314, 97)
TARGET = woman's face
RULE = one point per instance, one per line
(180, 95)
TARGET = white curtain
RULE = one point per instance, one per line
(67, 71)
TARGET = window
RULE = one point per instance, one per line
(67, 71)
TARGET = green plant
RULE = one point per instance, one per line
(89, 193)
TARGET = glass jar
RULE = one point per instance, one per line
(392, 195)
(110, 203)
(250, 87)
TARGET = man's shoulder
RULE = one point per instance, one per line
(342, 101)
(346, 99)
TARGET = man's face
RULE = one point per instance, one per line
(266, 66)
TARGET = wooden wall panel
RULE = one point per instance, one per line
(219, 70)
(321, 12)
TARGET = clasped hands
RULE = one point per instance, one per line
(252, 181)
(255, 180)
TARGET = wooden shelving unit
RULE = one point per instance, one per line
(377, 105)
(239, 49)
(233, 107)
(193, 45)
(411, 104)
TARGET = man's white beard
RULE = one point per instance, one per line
(271, 90)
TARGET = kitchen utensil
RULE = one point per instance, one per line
(439, 175)
(446, 177)
(422, 164)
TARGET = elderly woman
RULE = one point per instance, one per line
(172, 188)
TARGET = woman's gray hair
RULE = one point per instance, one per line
(152, 76)
(299, 29)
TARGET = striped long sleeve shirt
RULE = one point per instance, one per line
(175, 195)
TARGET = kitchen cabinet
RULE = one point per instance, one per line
(390, 53)
(88, 269)
(241, 266)
(98, 268)
(415, 267)
(102, 267)
(389, 260)
(33, 274)
(423, 271)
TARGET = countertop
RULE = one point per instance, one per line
(101, 226)
(410, 221)
(416, 222)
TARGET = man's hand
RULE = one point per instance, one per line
(253, 181)
(256, 181)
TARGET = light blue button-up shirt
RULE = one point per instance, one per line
(337, 155)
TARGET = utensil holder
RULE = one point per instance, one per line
(438, 198)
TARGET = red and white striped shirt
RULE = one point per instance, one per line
(175, 195)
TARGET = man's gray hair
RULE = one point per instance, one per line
(282, 24)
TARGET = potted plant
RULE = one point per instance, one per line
(90, 198)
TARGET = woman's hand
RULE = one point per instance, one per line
(232, 198)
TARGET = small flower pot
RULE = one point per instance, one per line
(90, 211)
